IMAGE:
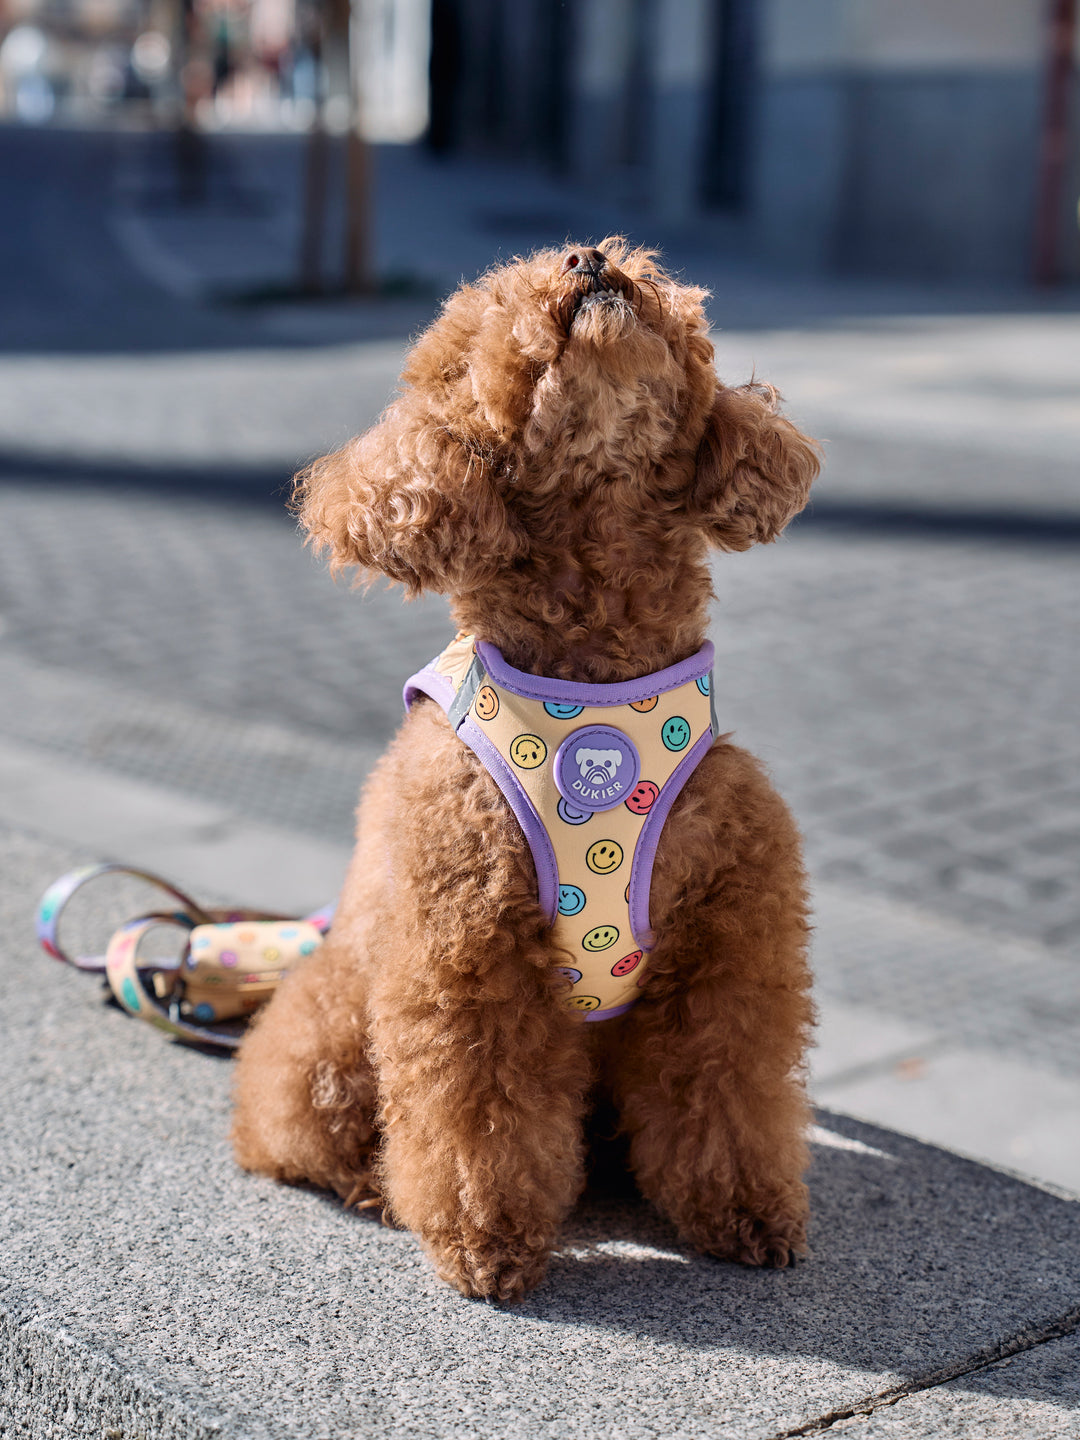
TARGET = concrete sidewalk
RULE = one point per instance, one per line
(150, 1289)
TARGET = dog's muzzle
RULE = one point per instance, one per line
(593, 275)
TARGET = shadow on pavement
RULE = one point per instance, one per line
(68, 280)
(918, 1268)
(920, 1261)
(930, 520)
(263, 484)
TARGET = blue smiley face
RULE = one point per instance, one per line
(571, 814)
(675, 733)
(571, 900)
(705, 684)
(558, 711)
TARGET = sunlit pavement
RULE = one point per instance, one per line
(193, 693)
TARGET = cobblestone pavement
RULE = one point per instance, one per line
(914, 696)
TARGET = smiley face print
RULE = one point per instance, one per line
(644, 706)
(571, 814)
(571, 900)
(583, 1002)
(675, 733)
(627, 963)
(558, 710)
(642, 797)
(528, 751)
(487, 703)
(604, 856)
(600, 938)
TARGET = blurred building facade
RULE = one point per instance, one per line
(854, 134)
(887, 136)
(246, 64)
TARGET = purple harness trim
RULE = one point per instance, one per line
(432, 682)
(621, 692)
(645, 851)
(547, 871)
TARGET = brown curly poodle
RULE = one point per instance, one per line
(559, 462)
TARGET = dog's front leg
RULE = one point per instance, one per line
(482, 1074)
(482, 1099)
(707, 1070)
(717, 1138)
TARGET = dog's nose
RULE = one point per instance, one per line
(583, 262)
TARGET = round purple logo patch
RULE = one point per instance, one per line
(596, 767)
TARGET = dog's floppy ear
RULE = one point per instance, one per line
(754, 469)
(410, 500)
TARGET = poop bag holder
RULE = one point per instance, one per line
(231, 963)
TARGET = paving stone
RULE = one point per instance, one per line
(980, 987)
(149, 1286)
(1035, 1394)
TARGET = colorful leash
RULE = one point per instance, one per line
(231, 964)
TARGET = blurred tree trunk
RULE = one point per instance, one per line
(1055, 138)
(358, 276)
(359, 279)
(332, 41)
(313, 232)
(189, 144)
(316, 163)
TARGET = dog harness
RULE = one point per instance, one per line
(591, 772)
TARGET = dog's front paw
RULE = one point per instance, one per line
(773, 1242)
(486, 1267)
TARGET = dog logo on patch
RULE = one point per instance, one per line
(596, 768)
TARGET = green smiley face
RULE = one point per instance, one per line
(675, 733)
(600, 938)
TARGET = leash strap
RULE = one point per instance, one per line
(56, 898)
(231, 964)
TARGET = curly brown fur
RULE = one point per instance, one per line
(559, 462)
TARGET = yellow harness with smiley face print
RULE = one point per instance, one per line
(591, 772)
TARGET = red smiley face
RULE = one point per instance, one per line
(627, 963)
(642, 797)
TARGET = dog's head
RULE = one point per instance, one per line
(562, 412)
